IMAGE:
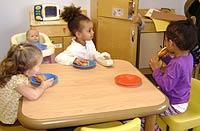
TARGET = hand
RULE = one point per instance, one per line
(47, 83)
(137, 19)
(154, 63)
(106, 55)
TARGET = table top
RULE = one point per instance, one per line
(90, 96)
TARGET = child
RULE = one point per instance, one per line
(82, 47)
(174, 82)
(33, 37)
(22, 62)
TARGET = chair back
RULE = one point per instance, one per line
(133, 125)
(195, 91)
(44, 39)
(21, 37)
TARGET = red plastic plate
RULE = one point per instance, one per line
(128, 80)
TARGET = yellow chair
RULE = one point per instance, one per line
(190, 118)
(133, 125)
(161, 123)
(197, 71)
(13, 128)
(21, 37)
(196, 129)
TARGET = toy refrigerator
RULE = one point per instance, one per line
(116, 33)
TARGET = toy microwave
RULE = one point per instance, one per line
(43, 12)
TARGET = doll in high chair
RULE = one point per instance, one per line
(33, 37)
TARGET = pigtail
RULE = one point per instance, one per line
(70, 13)
(8, 67)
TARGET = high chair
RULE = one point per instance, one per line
(21, 37)
(133, 125)
(190, 118)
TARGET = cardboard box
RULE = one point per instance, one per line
(162, 15)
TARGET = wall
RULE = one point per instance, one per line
(14, 15)
(176, 4)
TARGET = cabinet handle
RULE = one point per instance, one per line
(64, 30)
(133, 36)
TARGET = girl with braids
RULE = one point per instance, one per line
(22, 61)
(82, 47)
(180, 38)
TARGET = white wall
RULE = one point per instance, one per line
(176, 4)
(14, 15)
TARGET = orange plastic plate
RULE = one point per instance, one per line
(128, 80)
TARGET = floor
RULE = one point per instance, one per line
(63, 129)
(150, 77)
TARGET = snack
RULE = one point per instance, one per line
(40, 78)
(162, 52)
(84, 63)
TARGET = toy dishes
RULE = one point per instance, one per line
(38, 79)
(128, 80)
(85, 64)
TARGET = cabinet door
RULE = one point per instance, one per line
(123, 9)
(58, 43)
(67, 41)
(118, 37)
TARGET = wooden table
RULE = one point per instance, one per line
(91, 96)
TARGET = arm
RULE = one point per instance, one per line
(92, 49)
(32, 93)
(65, 58)
(139, 20)
(168, 80)
(166, 59)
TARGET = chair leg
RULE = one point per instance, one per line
(175, 129)
(196, 128)
(162, 125)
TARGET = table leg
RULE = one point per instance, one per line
(150, 123)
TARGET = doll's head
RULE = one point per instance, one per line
(32, 36)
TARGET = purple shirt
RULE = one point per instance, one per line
(175, 82)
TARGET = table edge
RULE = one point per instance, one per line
(88, 119)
